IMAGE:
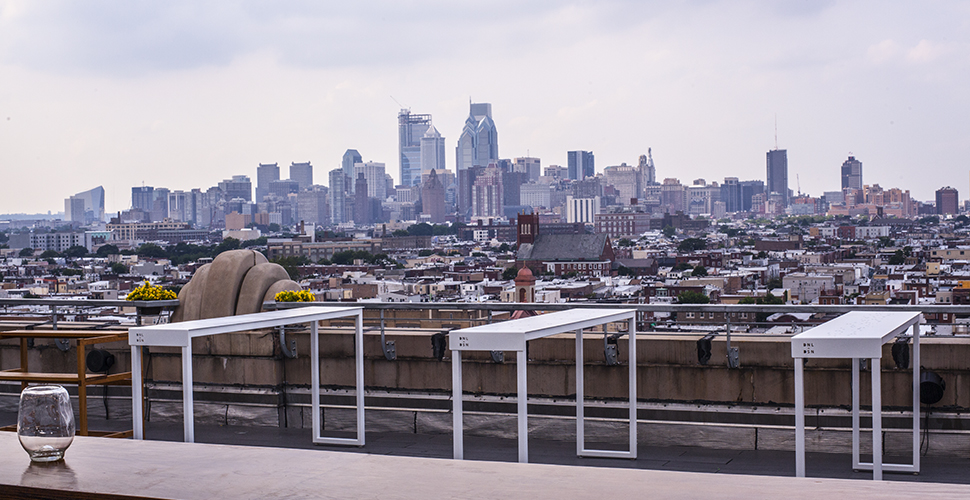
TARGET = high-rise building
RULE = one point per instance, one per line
(529, 165)
(362, 205)
(487, 198)
(626, 180)
(374, 174)
(433, 198)
(750, 189)
(351, 157)
(74, 209)
(731, 194)
(238, 187)
(648, 173)
(411, 129)
(282, 188)
(580, 165)
(313, 206)
(852, 173)
(673, 196)
(338, 195)
(93, 210)
(478, 142)
(142, 198)
(302, 173)
(265, 173)
(778, 174)
(160, 204)
(432, 154)
(582, 209)
(947, 201)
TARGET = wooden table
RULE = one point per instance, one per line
(82, 379)
(512, 336)
(181, 334)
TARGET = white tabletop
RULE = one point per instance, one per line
(178, 334)
(857, 334)
(512, 335)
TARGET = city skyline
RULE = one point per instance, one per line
(113, 97)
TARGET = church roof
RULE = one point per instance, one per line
(564, 247)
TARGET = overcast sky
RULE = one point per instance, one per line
(183, 94)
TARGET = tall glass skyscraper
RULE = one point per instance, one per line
(411, 128)
(478, 142)
(581, 164)
(778, 173)
(265, 173)
(852, 173)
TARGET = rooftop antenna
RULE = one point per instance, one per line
(799, 182)
(776, 131)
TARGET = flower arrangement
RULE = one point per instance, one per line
(149, 292)
(291, 296)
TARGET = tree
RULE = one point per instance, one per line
(699, 271)
(680, 266)
(274, 227)
(258, 242)
(26, 252)
(692, 297)
(669, 231)
(226, 245)
(48, 254)
(76, 252)
(292, 265)
(106, 250)
(152, 250)
(898, 258)
(625, 271)
(119, 268)
(422, 229)
(510, 273)
(399, 232)
(504, 248)
(691, 244)
(625, 242)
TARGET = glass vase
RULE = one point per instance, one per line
(45, 423)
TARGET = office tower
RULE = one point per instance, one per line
(555, 171)
(265, 173)
(411, 129)
(160, 204)
(778, 174)
(701, 197)
(580, 165)
(282, 189)
(432, 154)
(433, 198)
(178, 202)
(673, 196)
(338, 190)
(351, 157)
(529, 165)
(302, 173)
(478, 142)
(374, 173)
(362, 214)
(238, 187)
(74, 209)
(313, 206)
(582, 209)
(626, 180)
(142, 197)
(750, 189)
(487, 198)
(731, 194)
(947, 201)
(852, 173)
(92, 209)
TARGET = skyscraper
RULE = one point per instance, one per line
(338, 195)
(265, 173)
(580, 165)
(351, 157)
(778, 174)
(852, 173)
(93, 206)
(433, 198)
(478, 142)
(432, 154)
(142, 198)
(302, 173)
(530, 165)
(238, 187)
(731, 194)
(947, 201)
(373, 173)
(411, 129)
(487, 198)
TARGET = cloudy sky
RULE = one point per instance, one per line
(183, 94)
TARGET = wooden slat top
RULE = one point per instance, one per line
(61, 334)
(61, 378)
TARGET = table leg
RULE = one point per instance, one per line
(359, 363)
(580, 395)
(799, 418)
(523, 406)
(136, 393)
(456, 404)
(855, 413)
(633, 386)
(916, 367)
(876, 369)
(187, 402)
(315, 379)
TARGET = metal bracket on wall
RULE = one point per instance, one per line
(498, 356)
(390, 350)
(288, 350)
(611, 349)
(733, 357)
(63, 344)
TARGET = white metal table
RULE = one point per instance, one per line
(181, 335)
(857, 335)
(512, 336)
